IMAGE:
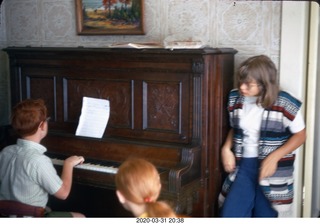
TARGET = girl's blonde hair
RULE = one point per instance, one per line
(261, 69)
(139, 182)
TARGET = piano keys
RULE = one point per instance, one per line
(167, 106)
(96, 167)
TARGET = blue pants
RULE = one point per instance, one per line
(246, 198)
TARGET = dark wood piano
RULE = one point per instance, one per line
(167, 106)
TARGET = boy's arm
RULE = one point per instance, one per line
(66, 176)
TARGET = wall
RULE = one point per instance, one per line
(251, 27)
(4, 80)
(314, 178)
(315, 212)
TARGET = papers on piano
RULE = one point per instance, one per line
(136, 45)
(183, 42)
(94, 117)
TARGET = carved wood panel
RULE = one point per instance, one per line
(157, 107)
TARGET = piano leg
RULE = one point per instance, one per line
(91, 201)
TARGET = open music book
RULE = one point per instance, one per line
(94, 117)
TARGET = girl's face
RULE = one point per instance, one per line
(251, 88)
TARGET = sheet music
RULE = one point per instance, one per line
(94, 117)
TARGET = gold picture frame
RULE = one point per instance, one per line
(109, 17)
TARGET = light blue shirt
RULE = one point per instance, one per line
(26, 174)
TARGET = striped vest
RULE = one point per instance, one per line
(274, 133)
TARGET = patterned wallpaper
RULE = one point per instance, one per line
(251, 27)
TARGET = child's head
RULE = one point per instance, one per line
(27, 116)
(262, 72)
(138, 186)
(138, 180)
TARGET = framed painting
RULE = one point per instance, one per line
(109, 17)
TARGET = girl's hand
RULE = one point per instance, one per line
(268, 166)
(228, 160)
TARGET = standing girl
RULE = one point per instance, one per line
(266, 128)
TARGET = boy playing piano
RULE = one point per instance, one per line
(26, 174)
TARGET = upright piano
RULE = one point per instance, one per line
(167, 106)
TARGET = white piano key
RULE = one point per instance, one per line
(88, 166)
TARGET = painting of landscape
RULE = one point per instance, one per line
(109, 17)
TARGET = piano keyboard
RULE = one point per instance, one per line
(88, 166)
